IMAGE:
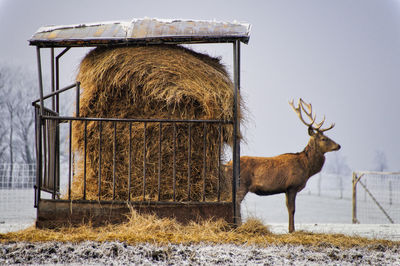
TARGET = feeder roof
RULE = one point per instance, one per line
(141, 31)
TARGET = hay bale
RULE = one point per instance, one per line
(160, 81)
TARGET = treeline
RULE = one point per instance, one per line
(18, 88)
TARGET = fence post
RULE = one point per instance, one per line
(354, 212)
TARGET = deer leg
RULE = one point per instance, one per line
(241, 193)
(291, 206)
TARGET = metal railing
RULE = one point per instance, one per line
(48, 151)
(47, 134)
(161, 123)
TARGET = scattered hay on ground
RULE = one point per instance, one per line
(150, 229)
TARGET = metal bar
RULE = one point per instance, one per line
(84, 160)
(136, 120)
(149, 203)
(58, 77)
(99, 187)
(53, 103)
(40, 81)
(56, 173)
(57, 157)
(219, 162)
(159, 160)
(114, 154)
(55, 93)
(54, 162)
(237, 112)
(236, 126)
(204, 159)
(174, 164)
(38, 133)
(41, 124)
(130, 162)
(69, 160)
(39, 172)
(47, 111)
(35, 200)
(189, 159)
(45, 150)
(57, 84)
(78, 92)
(63, 52)
(144, 161)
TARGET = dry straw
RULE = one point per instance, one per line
(150, 229)
(163, 82)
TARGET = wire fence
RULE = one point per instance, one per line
(17, 176)
(17, 192)
(376, 197)
(329, 185)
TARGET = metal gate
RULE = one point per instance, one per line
(376, 197)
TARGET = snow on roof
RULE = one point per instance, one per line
(145, 30)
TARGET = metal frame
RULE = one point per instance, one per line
(43, 114)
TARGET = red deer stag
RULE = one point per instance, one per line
(287, 173)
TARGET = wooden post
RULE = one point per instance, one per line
(354, 198)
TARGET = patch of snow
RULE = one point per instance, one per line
(127, 26)
(117, 253)
(6, 227)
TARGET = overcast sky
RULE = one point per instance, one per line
(341, 55)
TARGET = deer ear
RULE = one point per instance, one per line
(311, 131)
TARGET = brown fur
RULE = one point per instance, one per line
(287, 173)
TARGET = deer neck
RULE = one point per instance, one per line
(314, 158)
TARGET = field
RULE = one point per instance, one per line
(329, 213)
(325, 236)
(148, 240)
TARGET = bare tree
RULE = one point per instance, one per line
(338, 166)
(380, 162)
(3, 131)
(10, 107)
(24, 125)
(16, 125)
(3, 128)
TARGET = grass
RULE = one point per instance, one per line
(150, 229)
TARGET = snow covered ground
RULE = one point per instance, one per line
(313, 214)
(117, 253)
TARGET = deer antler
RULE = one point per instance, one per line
(307, 109)
(328, 128)
(301, 107)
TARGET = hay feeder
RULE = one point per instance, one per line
(150, 125)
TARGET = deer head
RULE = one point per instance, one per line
(317, 138)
